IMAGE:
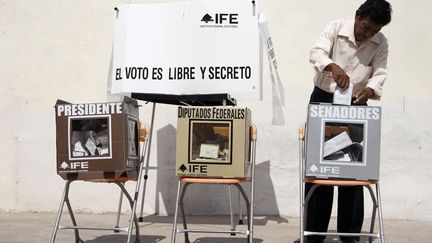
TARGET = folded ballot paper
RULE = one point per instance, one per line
(88, 143)
(343, 97)
(342, 148)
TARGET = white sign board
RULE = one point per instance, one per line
(194, 47)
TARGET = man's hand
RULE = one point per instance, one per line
(340, 77)
(363, 95)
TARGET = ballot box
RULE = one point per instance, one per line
(343, 142)
(97, 140)
(213, 142)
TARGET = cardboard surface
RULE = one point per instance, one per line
(97, 141)
(343, 142)
(213, 142)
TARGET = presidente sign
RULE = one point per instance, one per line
(194, 47)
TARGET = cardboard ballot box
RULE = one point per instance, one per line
(96, 141)
(343, 142)
(213, 142)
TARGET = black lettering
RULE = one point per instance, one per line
(243, 72)
(178, 73)
(202, 71)
(220, 18)
(128, 72)
(136, 72)
(233, 19)
(223, 73)
(180, 112)
(203, 169)
(157, 73)
(193, 168)
(208, 113)
(118, 74)
(211, 74)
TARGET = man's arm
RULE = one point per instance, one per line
(374, 86)
(379, 71)
(320, 56)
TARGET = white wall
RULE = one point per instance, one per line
(61, 49)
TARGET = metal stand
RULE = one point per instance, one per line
(181, 190)
(120, 183)
(75, 227)
(197, 99)
(146, 166)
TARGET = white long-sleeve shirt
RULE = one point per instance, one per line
(365, 64)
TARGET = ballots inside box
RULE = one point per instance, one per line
(342, 148)
(210, 151)
(210, 141)
(97, 140)
(90, 137)
(343, 142)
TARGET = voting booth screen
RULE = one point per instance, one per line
(188, 47)
(343, 142)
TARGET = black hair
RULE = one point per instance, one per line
(379, 11)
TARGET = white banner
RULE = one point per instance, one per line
(278, 94)
(194, 47)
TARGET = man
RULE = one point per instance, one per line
(348, 52)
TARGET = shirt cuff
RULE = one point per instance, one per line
(323, 64)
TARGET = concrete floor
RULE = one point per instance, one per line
(38, 227)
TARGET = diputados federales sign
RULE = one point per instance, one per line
(97, 140)
(343, 142)
(192, 47)
(211, 113)
(213, 142)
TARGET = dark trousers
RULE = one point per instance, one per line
(350, 199)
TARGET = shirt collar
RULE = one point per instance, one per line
(376, 39)
(347, 30)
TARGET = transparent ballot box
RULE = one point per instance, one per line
(97, 140)
(343, 142)
(213, 142)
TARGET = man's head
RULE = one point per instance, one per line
(371, 16)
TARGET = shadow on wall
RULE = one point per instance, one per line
(206, 199)
(166, 181)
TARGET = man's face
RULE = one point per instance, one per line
(365, 28)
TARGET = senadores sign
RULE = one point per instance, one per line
(343, 142)
(193, 47)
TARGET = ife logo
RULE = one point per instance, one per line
(220, 20)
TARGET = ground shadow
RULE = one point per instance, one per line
(224, 240)
(335, 239)
(210, 219)
(205, 199)
(123, 238)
